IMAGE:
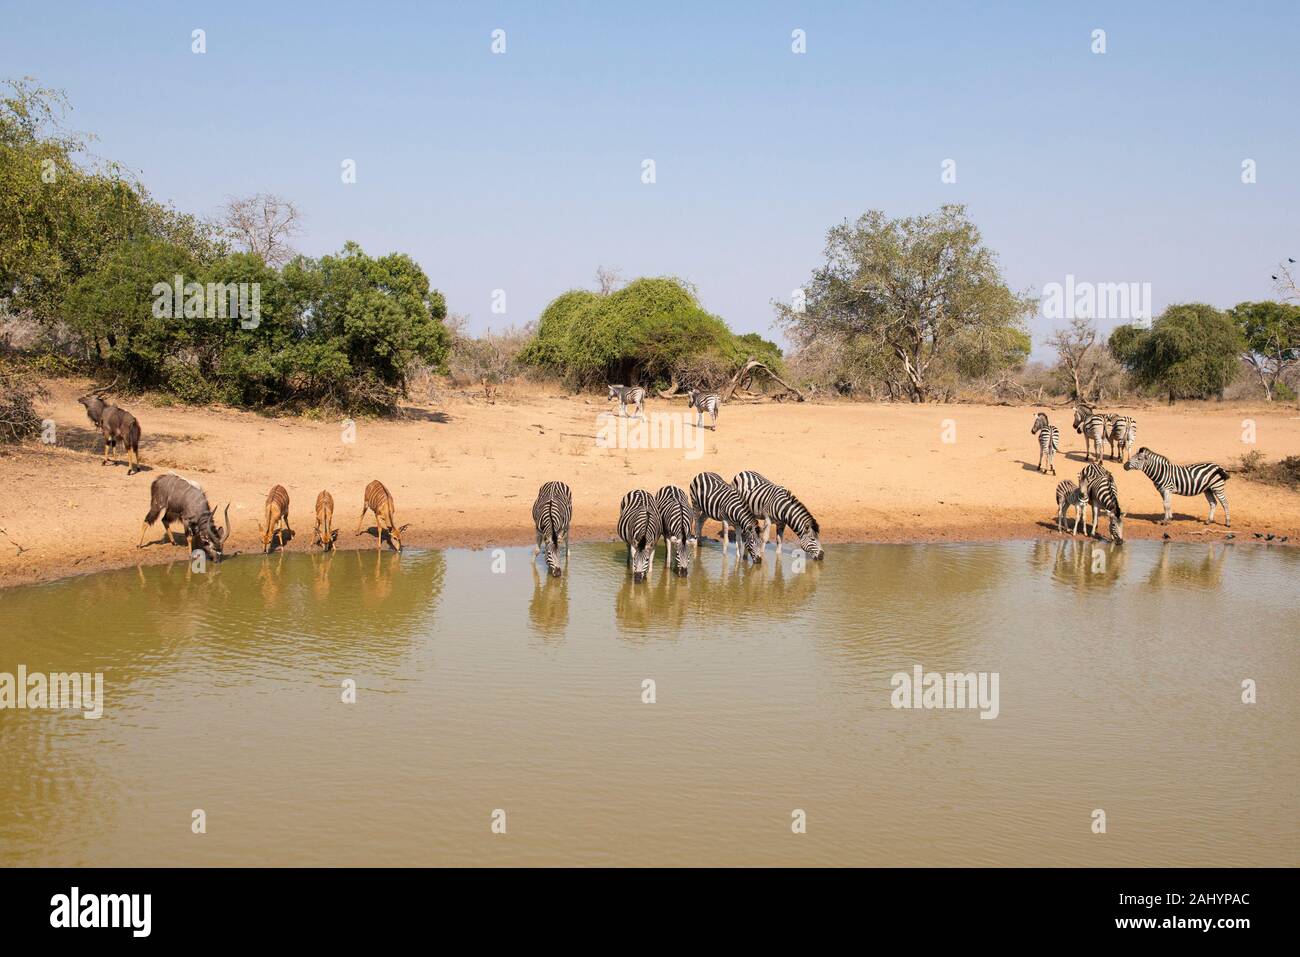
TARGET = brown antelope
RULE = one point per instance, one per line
(116, 425)
(325, 536)
(379, 501)
(277, 514)
(177, 499)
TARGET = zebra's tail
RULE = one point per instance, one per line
(1222, 473)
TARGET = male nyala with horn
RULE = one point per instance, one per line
(177, 499)
(277, 514)
(116, 425)
(325, 535)
(379, 501)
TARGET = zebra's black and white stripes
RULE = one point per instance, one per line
(638, 526)
(632, 395)
(713, 498)
(1092, 427)
(1049, 442)
(1070, 495)
(1121, 435)
(775, 504)
(703, 402)
(552, 513)
(1104, 497)
(1094, 481)
(1203, 478)
(675, 522)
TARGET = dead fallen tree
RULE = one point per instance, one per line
(742, 381)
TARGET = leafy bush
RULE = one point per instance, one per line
(648, 331)
(341, 331)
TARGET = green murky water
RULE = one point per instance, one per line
(1119, 670)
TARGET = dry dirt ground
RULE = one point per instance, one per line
(464, 472)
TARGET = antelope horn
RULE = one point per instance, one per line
(225, 531)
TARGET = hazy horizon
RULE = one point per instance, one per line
(522, 171)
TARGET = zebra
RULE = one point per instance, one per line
(1104, 497)
(1121, 435)
(775, 504)
(703, 402)
(675, 522)
(552, 513)
(1091, 426)
(1093, 477)
(713, 498)
(632, 395)
(1049, 441)
(1070, 494)
(1203, 478)
(638, 525)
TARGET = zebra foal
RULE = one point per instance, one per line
(1070, 495)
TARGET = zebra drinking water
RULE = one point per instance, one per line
(552, 513)
(638, 525)
(1068, 495)
(675, 523)
(703, 402)
(713, 498)
(1203, 478)
(1104, 497)
(1091, 426)
(775, 504)
(1049, 441)
(1094, 477)
(632, 395)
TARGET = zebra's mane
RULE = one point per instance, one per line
(1151, 453)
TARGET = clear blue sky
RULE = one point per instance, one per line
(522, 171)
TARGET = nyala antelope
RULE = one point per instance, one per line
(277, 514)
(176, 499)
(378, 500)
(325, 535)
(116, 425)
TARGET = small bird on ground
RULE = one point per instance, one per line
(1229, 537)
(1259, 534)
(1269, 537)
(1165, 536)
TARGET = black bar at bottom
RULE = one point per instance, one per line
(369, 905)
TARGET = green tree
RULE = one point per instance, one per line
(112, 307)
(1271, 332)
(1191, 351)
(59, 219)
(920, 289)
(647, 330)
